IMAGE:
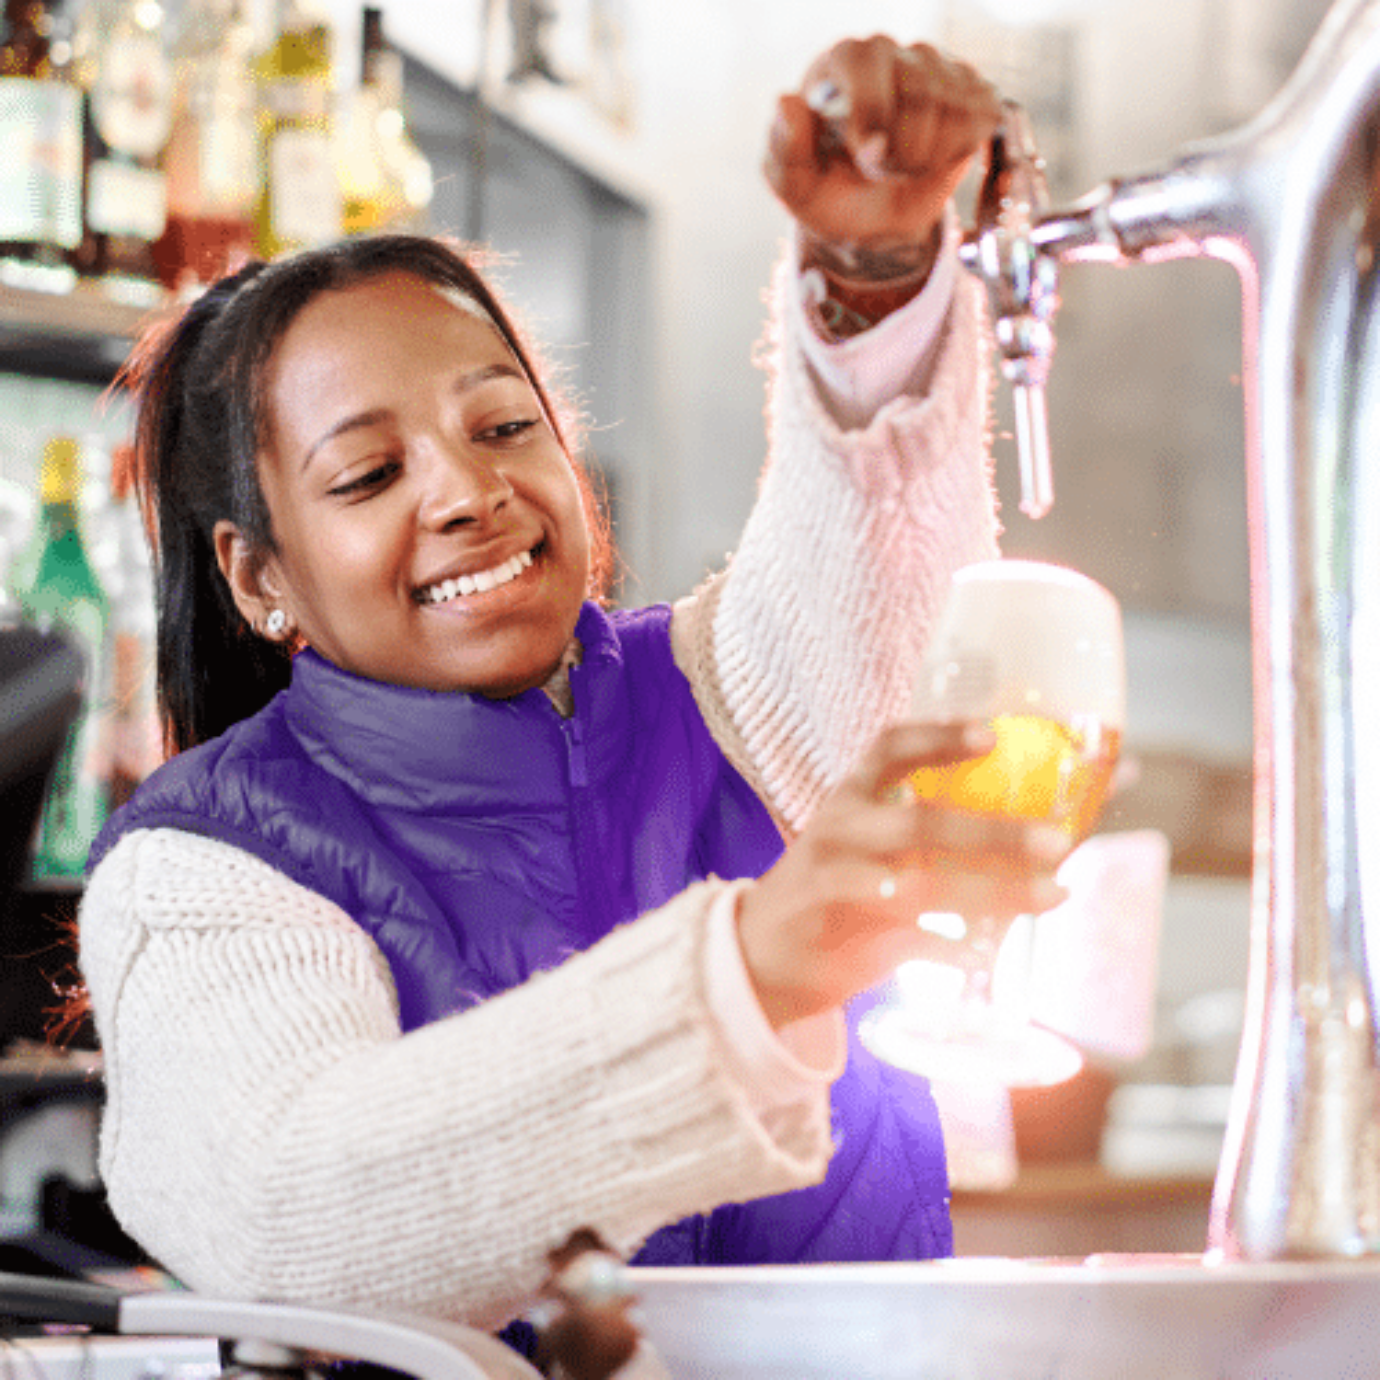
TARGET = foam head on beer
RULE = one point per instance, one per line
(1035, 650)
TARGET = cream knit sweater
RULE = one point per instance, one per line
(270, 1133)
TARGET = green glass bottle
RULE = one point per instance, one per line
(66, 593)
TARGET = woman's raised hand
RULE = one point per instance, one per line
(838, 911)
(874, 143)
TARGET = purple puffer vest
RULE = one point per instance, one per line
(478, 841)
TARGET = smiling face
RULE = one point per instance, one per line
(429, 527)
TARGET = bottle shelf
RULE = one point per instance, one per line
(84, 334)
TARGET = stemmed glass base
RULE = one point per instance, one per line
(953, 1028)
(1020, 1056)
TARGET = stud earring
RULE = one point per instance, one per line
(276, 623)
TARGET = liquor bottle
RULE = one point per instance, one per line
(386, 180)
(210, 164)
(66, 593)
(128, 79)
(298, 203)
(40, 131)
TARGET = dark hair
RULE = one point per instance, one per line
(201, 421)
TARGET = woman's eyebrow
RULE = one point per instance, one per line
(357, 421)
(498, 370)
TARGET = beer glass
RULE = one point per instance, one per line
(1035, 651)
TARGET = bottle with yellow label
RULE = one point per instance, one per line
(66, 593)
(386, 180)
(299, 203)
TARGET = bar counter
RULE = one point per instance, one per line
(1077, 1209)
(1132, 1317)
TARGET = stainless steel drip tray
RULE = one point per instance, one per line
(1107, 1318)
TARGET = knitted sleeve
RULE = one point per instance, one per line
(805, 646)
(270, 1133)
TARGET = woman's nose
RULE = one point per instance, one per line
(462, 488)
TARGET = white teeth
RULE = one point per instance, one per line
(479, 582)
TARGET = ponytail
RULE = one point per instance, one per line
(212, 669)
(192, 469)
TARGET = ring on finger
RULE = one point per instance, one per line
(827, 100)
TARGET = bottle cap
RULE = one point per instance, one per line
(60, 475)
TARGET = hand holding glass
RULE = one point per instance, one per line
(1036, 652)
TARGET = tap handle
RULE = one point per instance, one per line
(1023, 288)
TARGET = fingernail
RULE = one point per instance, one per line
(871, 157)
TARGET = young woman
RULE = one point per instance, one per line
(469, 912)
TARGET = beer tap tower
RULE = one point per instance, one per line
(1292, 201)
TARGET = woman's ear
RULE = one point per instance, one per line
(252, 578)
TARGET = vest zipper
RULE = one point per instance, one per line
(576, 763)
(590, 866)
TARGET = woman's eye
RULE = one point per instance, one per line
(508, 431)
(373, 478)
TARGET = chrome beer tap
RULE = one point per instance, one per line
(1292, 201)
